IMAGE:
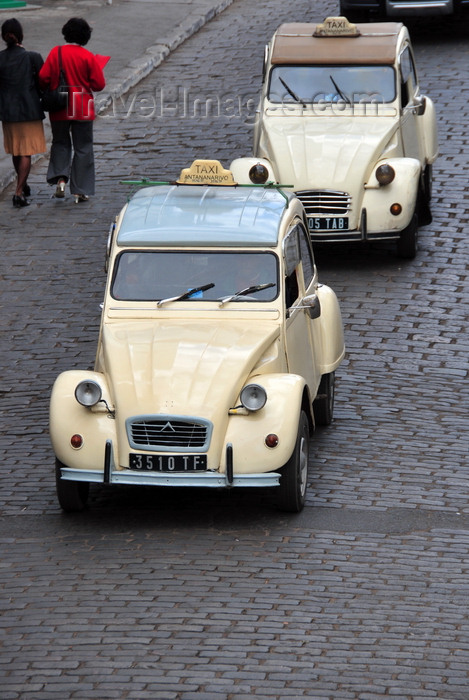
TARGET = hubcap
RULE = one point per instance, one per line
(303, 465)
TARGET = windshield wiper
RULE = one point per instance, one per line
(187, 294)
(291, 93)
(246, 292)
(339, 91)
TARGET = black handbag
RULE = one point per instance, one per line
(55, 100)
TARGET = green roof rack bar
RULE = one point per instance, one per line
(6, 4)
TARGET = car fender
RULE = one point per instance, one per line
(240, 168)
(332, 331)
(247, 431)
(67, 417)
(403, 190)
(429, 131)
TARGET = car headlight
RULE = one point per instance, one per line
(385, 174)
(253, 397)
(88, 393)
(258, 174)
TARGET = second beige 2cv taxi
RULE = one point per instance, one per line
(217, 350)
(342, 120)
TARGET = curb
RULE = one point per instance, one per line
(156, 54)
(139, 69)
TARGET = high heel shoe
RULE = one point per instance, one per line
(19, 201)
(26, 190)
(81, 198)
(60, 189)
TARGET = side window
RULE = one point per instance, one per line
(291, 254)
(266, 59)
(110, 239)
(408, 76)
(291, 289)
(306, 256)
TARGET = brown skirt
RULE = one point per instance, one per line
(24, 138)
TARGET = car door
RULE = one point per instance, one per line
(301, 330)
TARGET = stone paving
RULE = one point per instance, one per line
(137, 34)
(181, 595)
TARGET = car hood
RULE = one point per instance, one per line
(168, 368)
(329, 152)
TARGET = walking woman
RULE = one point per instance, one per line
(20, 108)
(72, 153)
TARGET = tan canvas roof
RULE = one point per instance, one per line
(295, 43)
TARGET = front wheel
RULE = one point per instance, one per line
(408, 241)
(323, 405)
(427, 183)
(425, 194)
(72, 495)
(291, 493)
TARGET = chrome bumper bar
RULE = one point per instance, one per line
(111, 475)
(207, 479)
(419, 7)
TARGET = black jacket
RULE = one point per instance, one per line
(19, 95)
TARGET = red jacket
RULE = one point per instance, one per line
(83, 74)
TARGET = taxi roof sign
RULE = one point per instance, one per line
(206, 172)
(336, 26)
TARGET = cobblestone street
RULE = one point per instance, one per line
(178, 595)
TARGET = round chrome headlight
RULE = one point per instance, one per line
(385, 174)
(88, 393)
(258, 174)
(253, 397)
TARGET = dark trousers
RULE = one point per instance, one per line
(72, 156)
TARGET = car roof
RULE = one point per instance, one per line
(376, 44)
(200, 215)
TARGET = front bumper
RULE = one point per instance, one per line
(418, 8)
(214, 479)
(350, 236)
(405, 8)
(202, 479)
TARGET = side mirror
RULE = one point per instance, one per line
(420, 105)
(313, 305)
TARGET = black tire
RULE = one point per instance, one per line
(407, 244)
(291, 493)
(427, 184)
(72, 495)
(323, 405)
(425, 195)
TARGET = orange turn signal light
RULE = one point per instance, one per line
(76, 441)
(271, 440)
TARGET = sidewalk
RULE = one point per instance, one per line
(137, 34)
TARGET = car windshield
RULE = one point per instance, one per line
(327, 84)
(198, 275)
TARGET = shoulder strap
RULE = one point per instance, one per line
(34, 72)
(61, 68)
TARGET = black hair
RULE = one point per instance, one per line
(12, 32)
(77, 31)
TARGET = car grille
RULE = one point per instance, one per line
(330, 202)
(166, 433)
